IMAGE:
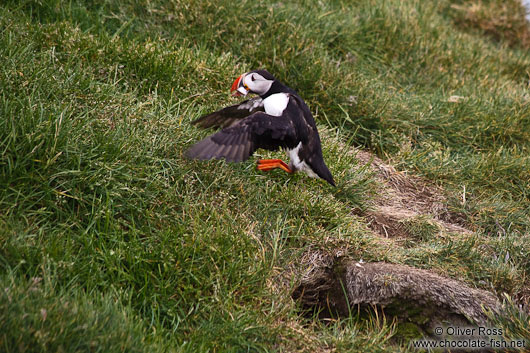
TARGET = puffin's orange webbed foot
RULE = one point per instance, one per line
(270, 164)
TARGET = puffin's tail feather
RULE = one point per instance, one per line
(326, 175)
(321, 169)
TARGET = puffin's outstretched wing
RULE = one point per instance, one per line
(230, 115)
(237, 143)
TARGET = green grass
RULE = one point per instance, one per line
(110, 240)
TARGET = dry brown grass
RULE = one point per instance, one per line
(502, 20)
(337, 285)
(403, 198)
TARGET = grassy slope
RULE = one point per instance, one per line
(104, 223)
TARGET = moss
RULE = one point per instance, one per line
(407, 331)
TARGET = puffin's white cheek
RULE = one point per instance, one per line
(242, 90)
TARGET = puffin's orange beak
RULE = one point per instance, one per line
(238, 88)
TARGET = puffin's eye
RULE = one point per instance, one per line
(252, 78)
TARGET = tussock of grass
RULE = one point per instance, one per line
(166, 254)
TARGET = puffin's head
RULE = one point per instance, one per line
(257, 81)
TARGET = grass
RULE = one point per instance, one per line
(110, 240)
(503, 21)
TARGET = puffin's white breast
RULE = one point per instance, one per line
(275, 104)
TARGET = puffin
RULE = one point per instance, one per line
(278, 118)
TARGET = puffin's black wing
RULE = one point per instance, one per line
(230, 115)
(237, 143)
